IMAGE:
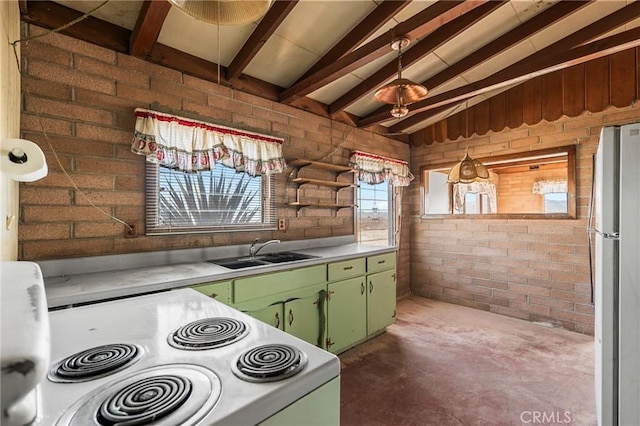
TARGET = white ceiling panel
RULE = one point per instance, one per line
(280, 62)
(121, 13)
(200, 39)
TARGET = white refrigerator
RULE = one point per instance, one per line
(614, 219)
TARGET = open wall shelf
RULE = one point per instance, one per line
(299, 163)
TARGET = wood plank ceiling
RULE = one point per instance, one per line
(329, 57)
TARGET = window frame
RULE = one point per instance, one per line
(569, 150)
(391, 214)
(152, 206)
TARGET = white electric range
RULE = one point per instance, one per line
(181, 358)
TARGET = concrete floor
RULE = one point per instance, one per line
(443, 364)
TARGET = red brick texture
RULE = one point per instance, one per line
(537, 270)
(83, 97)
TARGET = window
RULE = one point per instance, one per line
(210, 200)
(375, 212)
(534, 184)
(555, 202)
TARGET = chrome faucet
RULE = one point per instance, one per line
(253, 251)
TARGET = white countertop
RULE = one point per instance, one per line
(71, 289)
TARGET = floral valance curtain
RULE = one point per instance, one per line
(374, 169)
(550, 186)
(191, 145)
(460, 190)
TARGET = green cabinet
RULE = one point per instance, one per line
(334, 306)
(271, 314)
(221, 291)
(346, 314)
(257, 286)
(298, 312)
(305, 318)
(381, 300)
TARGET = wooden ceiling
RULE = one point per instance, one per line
(329, 57)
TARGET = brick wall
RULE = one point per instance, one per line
(537, 270)
(83, 96)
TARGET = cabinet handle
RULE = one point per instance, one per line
(380, 262)
(214, 295)
(329, 343)
(347, 268)
(277, 320)
(370, 286)
(394, 277)
(290, 317)
(362, 287)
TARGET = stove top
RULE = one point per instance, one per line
(172, 358)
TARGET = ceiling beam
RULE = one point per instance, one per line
(417, 52)
(145, 33)
(555, 62)
(384, 12)
(602, 26)
(22, 5)
(50, 15)
(267, 26)
(417, 26)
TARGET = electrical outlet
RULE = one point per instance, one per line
(282, 225)
(131, 230)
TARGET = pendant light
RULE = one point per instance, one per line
(224, 12)
(401, 91)
(468, 170)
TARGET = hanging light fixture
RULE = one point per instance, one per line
(224, 12)
(401, 91)
(468, 170)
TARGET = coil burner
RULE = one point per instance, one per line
(95, 362)
(179, 394)
(269, 363)
(208, 333)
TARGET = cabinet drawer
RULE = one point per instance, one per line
(381, 262)
(346, 269)
(264, 285)
(220, 291)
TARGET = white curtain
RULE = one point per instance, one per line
(375, 169)
(460, 190)
(191, 145)
(550, 186)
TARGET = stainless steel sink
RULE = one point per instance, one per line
(268, 259)
(286, 256)
(238, 263)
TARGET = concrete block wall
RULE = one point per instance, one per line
(78, 100)
(537, 270)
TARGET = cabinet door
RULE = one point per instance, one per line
(346, 313)
(220, 291)
(381, 300)
(303, 318)
(272, 315)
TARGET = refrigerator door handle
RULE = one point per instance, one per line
(607, 235)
